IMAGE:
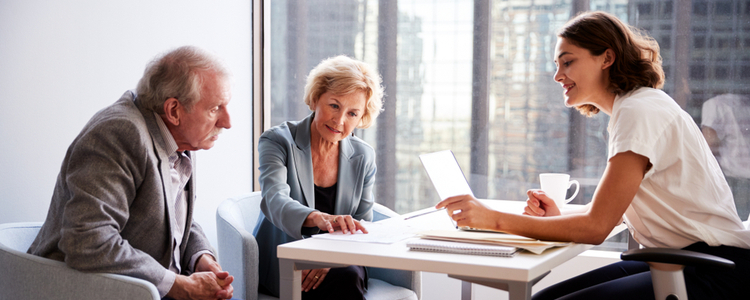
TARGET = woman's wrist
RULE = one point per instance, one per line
(499, 217)
(313, 218)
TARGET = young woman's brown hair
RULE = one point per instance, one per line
(637, 59)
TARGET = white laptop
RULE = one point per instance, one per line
(445, 174)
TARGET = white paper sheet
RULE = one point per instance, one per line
(387, 231)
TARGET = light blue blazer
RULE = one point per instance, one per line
(286, 183)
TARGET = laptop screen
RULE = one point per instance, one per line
(445, 174)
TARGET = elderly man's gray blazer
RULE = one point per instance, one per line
(286, 183)
(109, 212)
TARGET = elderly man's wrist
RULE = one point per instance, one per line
(178, 290)
(204, 265)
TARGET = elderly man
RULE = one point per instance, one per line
(123, 201)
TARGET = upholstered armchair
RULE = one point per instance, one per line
(26, 276)
(236, 219)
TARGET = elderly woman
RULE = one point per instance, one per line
(660, 177)
(315, 175)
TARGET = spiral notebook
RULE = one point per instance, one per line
(460, 248)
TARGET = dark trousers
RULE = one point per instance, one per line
(632, 280)
(340, 283)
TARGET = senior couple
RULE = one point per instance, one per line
(124, 198)
(129, 172)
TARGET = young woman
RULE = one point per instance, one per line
(661, 177)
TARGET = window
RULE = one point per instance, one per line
(697, 72)
(724, 8)
(721, 72)
(699, 42)
(667, 9)
(745, 72)
(476, 78)
(665, 42)
(700, 8)
(644, 9)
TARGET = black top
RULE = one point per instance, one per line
(325, 199)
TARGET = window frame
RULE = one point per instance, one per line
(261, 85)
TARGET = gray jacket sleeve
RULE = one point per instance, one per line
(102, 176)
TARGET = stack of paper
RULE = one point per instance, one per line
(491, 238)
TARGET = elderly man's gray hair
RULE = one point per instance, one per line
(180, 74)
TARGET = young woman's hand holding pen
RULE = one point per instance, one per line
(467, 211)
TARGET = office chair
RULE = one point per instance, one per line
(667, 264)
(666, 268)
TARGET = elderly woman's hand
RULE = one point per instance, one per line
(311, 279)
(331, 223)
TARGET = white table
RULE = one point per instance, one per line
(514, 274)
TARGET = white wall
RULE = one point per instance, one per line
(61, 61)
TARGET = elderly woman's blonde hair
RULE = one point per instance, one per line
(342, 75)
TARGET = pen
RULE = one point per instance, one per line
(424, 213)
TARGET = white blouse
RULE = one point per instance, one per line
(683, 198)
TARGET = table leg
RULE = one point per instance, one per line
(517, 290)
(465, 290)
(290, 285)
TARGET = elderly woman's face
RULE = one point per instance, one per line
(337, 115)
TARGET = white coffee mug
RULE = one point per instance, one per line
(556, 186)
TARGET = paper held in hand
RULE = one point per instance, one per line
(492, 238)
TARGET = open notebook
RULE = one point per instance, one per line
(460, 248)
(491, 238)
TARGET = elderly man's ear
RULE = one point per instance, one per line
(173, 110)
